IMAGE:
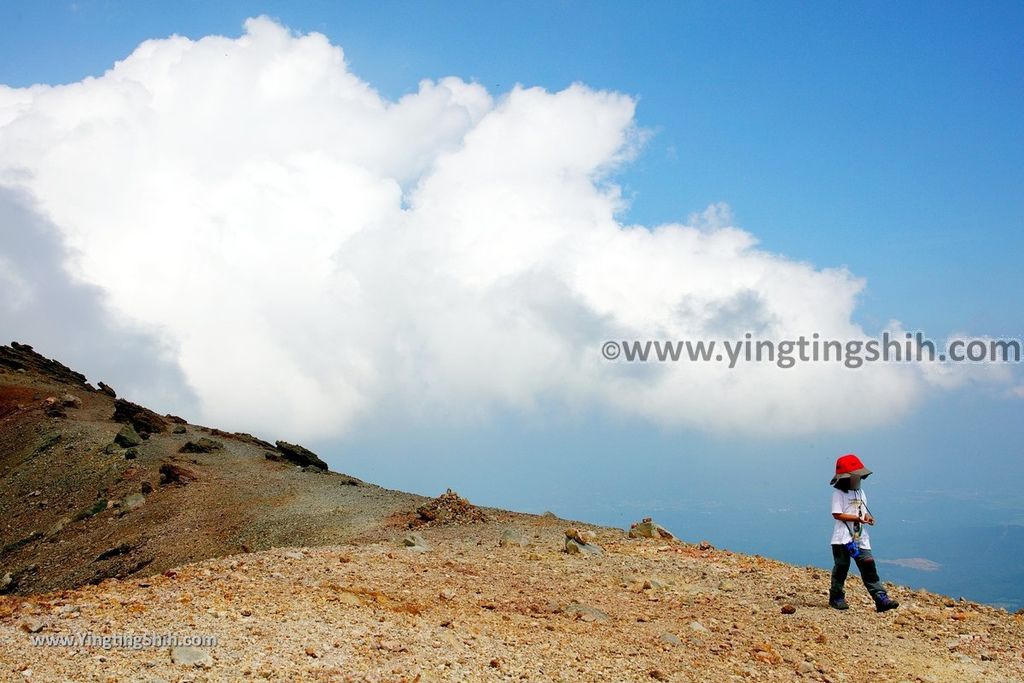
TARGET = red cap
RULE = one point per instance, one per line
(848, 465)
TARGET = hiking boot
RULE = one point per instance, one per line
(838, 603)
(883, 603)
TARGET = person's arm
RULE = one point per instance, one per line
(844, 517)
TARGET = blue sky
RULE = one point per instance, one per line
(884, 138)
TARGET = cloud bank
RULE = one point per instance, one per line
(316, 255)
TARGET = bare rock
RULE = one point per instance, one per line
(202, 445)
(142, 419)
(128, 437)
(300, 456)
(191, 656)
(648, 528)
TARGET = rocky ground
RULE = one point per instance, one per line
(92, 486)
(169, 529)
(462, 606)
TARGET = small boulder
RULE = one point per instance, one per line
(142, 419)
(107, 389)
(32, 626)
(300, 456)
(415, 541)
(512, 538)
(670, 639)
(581, 542)
(128, 437)
(133, 501)
(70, 401)
(202, 445)
(191, 656)
(178, 429)
(175, 474)
(648, 528)
(131, 453)
(584, 613)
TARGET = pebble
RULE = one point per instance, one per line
(191, 656)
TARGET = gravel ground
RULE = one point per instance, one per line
(469, 610)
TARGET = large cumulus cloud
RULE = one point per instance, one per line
(316, 254)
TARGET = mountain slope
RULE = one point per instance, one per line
(78, 508)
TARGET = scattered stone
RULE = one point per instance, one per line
(178, 429)
(110, 448)
(7, 583)
(131, 453)
(107, 389)
(581, 542)
(805, 667)
(142, 419)
(726, 585)
(698, 627)
(133, 501)
(788, 609)
(175, 474)
(510, 538)
(191, 656)
(448, 594)
(449, 508)
(122, 549)
(294, 555)
(584, 613)
(648, 528)
(128, 437)
(495, 663)
(302, 457)
(48, 442)
(146, 488)
(32, 626)
(70, 401)
(671, 639)
(415, 541)
(270, 455)
(658, 675)
(202, 445)
(705, 545)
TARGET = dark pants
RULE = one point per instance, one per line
(866, 565)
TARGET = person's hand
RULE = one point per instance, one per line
(868, 519)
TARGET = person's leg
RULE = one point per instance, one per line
(869, 572)
(840, 568)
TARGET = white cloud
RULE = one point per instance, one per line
(318, 254)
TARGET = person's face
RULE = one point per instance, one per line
(855, 482)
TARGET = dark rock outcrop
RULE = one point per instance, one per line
(23, 357)
(175, 474)
(202, 445)
(128, 437)
(300, 456)
(143, 419)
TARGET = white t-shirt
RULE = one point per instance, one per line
(850, 503)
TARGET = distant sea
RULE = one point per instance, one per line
(965, 552)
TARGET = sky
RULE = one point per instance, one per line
(400, 232)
